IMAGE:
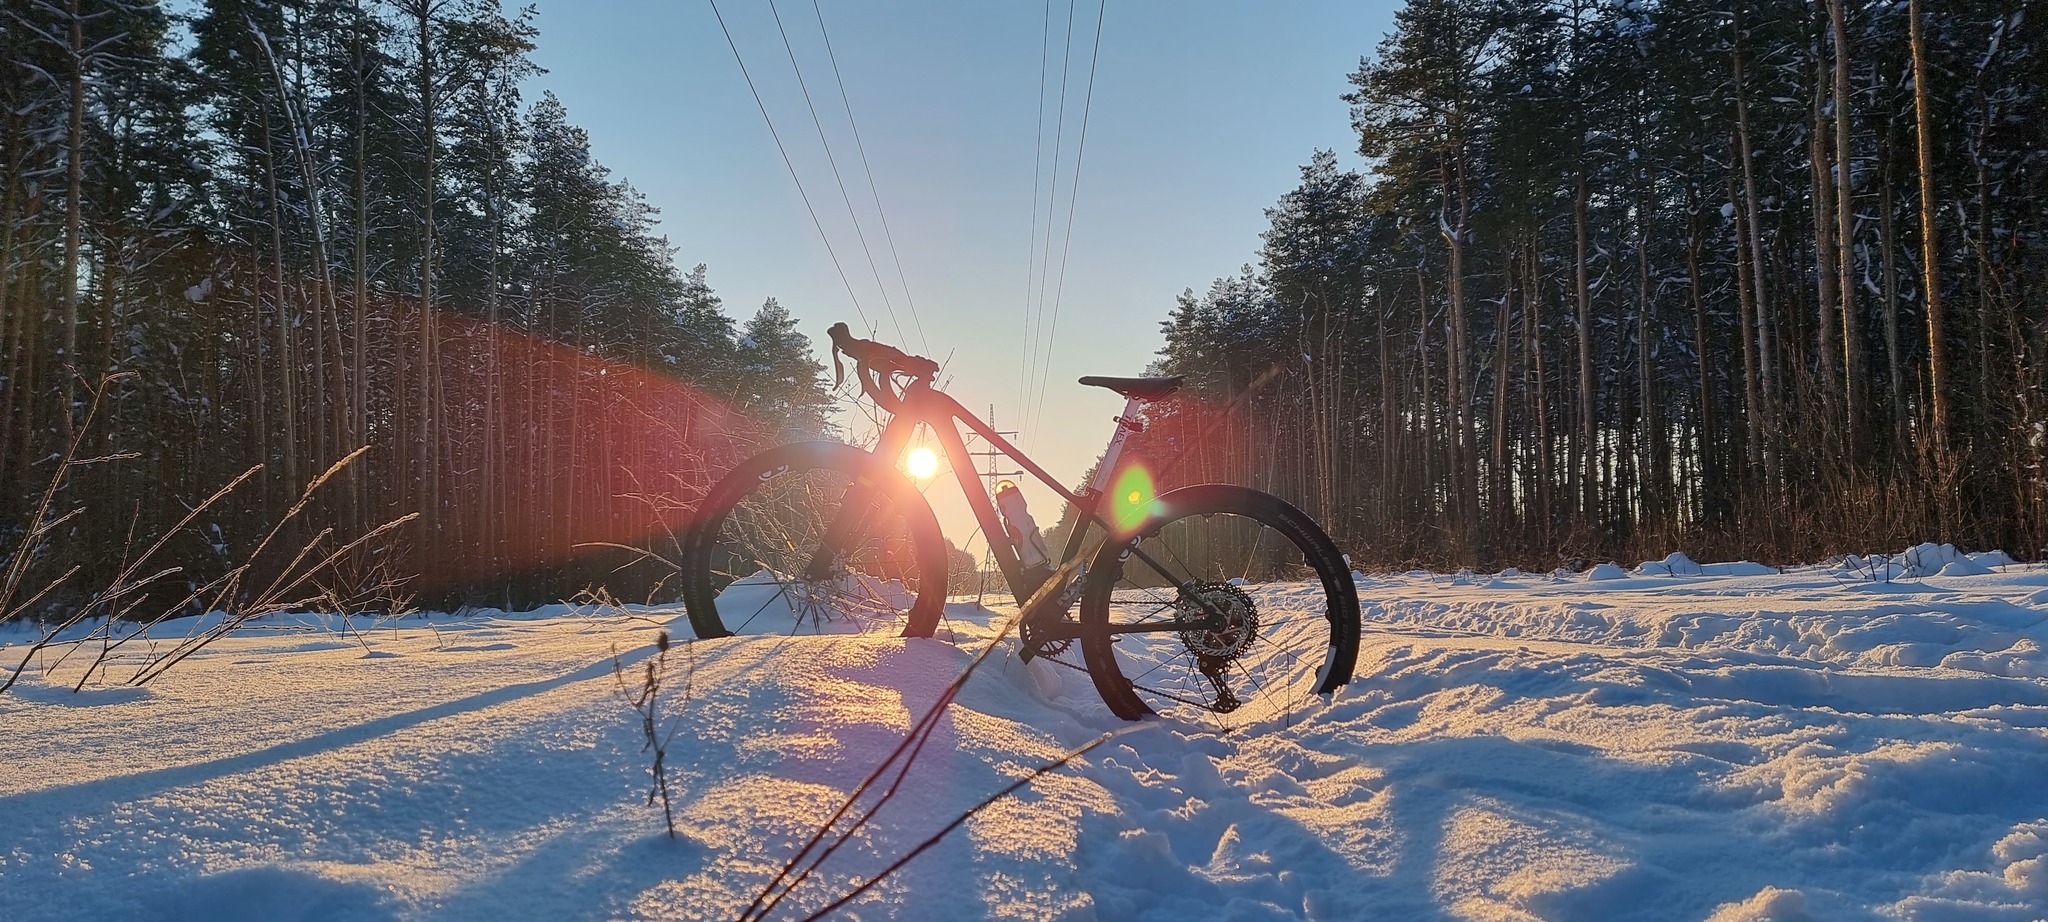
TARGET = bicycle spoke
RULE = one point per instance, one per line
(1147, 616)
(1257, 686)
(841, 550)
(782, 592)
(1162, 665)
(1252, 557)
(1228, 641)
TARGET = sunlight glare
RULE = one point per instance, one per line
(1132, 499)
(922, 463)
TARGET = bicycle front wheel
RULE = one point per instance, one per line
(814, 537)
(1228, 606)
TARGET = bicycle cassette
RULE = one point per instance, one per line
(1239, 622)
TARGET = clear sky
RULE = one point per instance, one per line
(1202, 113)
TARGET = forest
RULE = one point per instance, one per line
(1754, 280)
(305, 286)
(256, 247)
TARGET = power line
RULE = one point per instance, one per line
(820, 225)
(1026, 342)
(1052, 209)
(887, 234)
(1074, 189)
(834, 162)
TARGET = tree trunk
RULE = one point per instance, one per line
(1464, 485)
(1894, 364)
(1762, 403)
(13, 311)
(1533, 320)
(1752, 388)
(1826, 275)
(74, 194)
(323, 281)
(427, 439)
(1498, 488)
(1930, 241)
(286, 361)
(1709, 490)
(359, 398)
(1588, 446)
(1649, 482)
(1845, 237)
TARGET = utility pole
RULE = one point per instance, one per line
(991, 476)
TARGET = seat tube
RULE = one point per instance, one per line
(1125, 425)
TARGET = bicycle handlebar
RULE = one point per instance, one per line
(876, 365)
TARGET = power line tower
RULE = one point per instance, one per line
(991, 477)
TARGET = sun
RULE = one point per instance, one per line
(922, 463)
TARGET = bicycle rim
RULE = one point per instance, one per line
(762, 563)
(1277, 609)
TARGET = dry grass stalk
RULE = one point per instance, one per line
(295, 586)
(644, 697)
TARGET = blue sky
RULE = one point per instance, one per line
(1202, 113)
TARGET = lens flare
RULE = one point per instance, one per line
(1131, 499)
(922, 463)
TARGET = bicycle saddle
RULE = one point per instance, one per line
(1137, 388)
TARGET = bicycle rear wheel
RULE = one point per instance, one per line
(814, 537)
(1227, 606)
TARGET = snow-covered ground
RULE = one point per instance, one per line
(1726, 745)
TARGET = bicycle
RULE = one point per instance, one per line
(1184, 598)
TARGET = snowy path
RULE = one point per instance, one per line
(1795, 746)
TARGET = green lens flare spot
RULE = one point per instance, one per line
(1132, 498)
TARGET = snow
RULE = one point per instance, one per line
(1606, 570)
(1963, 567)
(1674, 564)
(1768, 905)
(1734, 744)
(1923, 560)
(1993, 559)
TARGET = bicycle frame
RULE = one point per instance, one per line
(923, 405)
(881, 550)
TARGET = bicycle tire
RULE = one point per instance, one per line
(1266, 642)
(752, 563)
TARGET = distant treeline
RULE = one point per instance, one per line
(1747, 278)
(293, 228)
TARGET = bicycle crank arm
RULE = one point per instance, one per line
(1055, 594)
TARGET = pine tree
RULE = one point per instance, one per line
(783, 384)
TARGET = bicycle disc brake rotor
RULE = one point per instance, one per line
(1240, 620)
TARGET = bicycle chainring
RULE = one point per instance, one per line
(1032, 637)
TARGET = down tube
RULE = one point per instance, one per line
(977, 499)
